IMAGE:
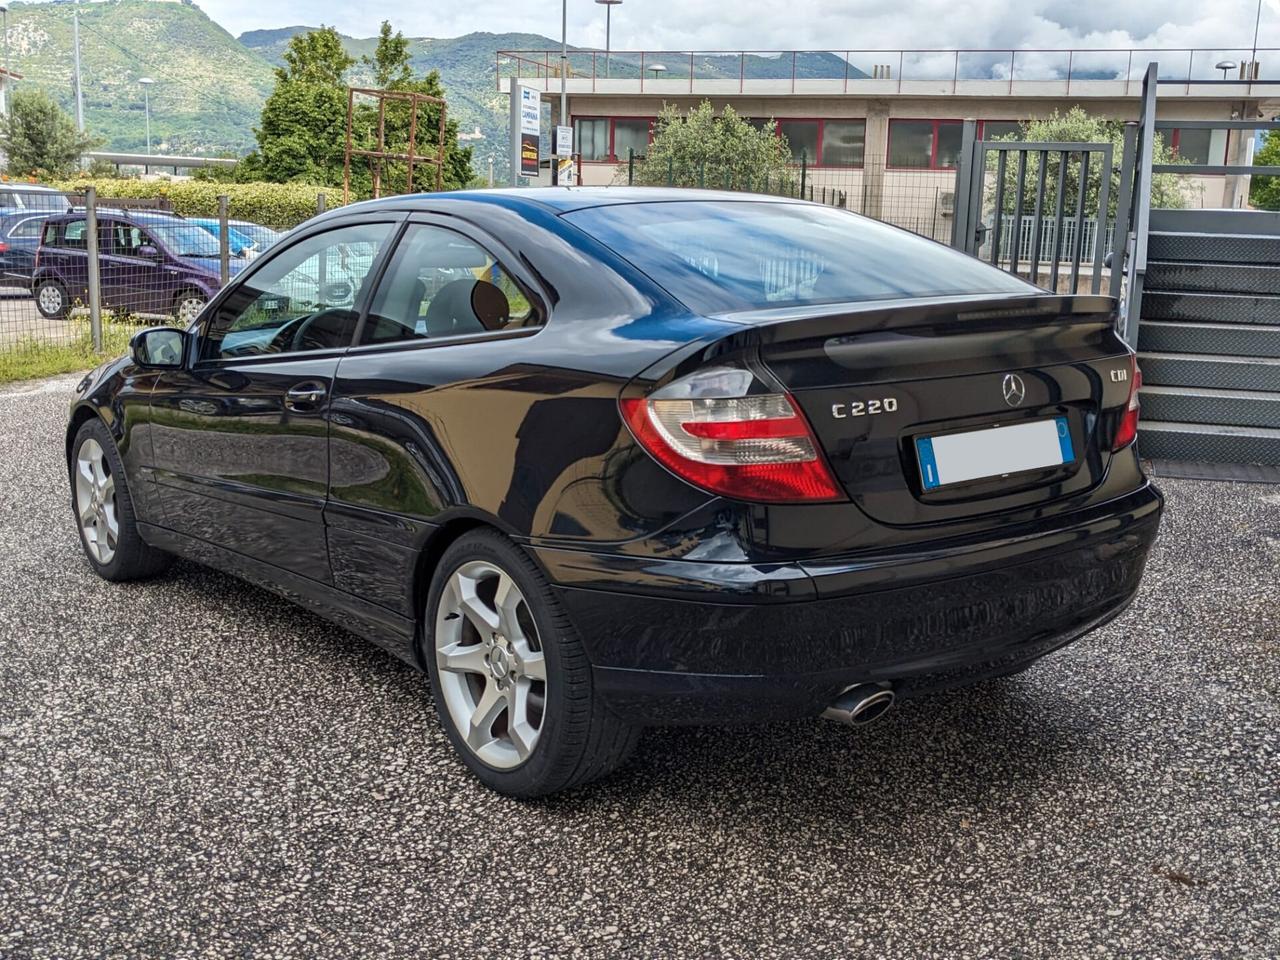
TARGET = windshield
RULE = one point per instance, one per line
(726, 256)
(185, 240)
(262, 236)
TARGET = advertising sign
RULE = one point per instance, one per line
(530, 123)
(564, 141)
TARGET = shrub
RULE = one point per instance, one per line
(273, 204)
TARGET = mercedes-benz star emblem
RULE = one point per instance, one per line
(1015, 391)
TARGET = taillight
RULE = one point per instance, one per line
(720, 430)
(4, 247)
(1127, 432)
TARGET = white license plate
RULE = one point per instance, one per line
(994, 452)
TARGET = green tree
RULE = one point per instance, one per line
(303, 127)
(1264, 192)
(699, 148)
(1168, 190)
(39, 138)
(392, 70)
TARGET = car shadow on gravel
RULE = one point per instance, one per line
(956, 748)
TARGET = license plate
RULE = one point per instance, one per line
(994, 452)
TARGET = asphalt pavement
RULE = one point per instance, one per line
(193, 768)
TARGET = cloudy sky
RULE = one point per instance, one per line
(798, 24)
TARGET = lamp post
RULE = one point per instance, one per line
(608, 9)
(146, 83)
(657, 70)
(8, 77)
(1225, 66)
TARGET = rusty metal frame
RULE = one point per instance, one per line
(377, 158)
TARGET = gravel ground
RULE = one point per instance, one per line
(190, 767)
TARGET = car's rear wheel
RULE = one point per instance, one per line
(104, 510)
(511, 680)
(188, 304)
(51, 299)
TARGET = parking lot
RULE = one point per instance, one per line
(192, 767)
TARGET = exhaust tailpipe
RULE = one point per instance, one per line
(860, 704)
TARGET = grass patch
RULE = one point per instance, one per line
(33, 359)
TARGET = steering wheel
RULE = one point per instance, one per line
(310, 337)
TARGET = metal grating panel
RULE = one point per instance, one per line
(1191, 441)
(1204, 470)
(1243, 340)
(1212, 277)
(1249, 408)
(1213, 247)
(1211, 308)
(1216, 372)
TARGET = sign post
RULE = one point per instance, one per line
(526, 124)
(564, 173)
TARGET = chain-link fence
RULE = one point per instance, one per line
(82, 272)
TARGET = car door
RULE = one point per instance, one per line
(240, 434)
(415, 392)
(140, 275)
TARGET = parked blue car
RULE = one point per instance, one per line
(19, 239)
(242, 245)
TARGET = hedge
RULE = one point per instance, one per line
(273, 204)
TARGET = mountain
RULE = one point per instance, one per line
(208, 89)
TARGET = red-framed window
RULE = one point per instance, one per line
(834, 142)
(607, 139)
(995, 129)
(924, 144)
(1196, 146)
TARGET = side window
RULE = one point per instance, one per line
(441, 284)
(27, 229)
(127, 238)
(73, 235)
(50, 238)
(303, 298)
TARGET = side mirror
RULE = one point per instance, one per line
(158, 347)
(148, 251)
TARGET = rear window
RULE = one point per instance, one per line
(50, 234)
(726, 256)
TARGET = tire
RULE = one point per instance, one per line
(100, 500)
(188, 304)
(564, 736)
(51, 299)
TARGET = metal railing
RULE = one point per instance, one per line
(889, 70)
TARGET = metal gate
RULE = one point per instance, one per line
(1043, 211)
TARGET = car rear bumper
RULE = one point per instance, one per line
(683, 642)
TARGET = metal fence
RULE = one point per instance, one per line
(83, 272)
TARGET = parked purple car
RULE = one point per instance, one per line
(148, 263)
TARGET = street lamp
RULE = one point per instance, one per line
(146, 83)
(8, 76)
(608, 9)
(657, 70)
(1225, 66)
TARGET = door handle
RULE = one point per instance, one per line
(305, 396)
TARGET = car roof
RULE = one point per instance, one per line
(565, 199)
(136, 216)
(12, 185)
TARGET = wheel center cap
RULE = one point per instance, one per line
(499, 663)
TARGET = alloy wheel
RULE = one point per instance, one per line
(96, 501)
(492, 671)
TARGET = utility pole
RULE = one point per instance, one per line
(75, 33)
(564, 61)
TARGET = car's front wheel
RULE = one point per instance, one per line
(188, 304)
(104, 510)
(511, 680)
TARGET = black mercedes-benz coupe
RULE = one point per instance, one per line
(597, 459)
